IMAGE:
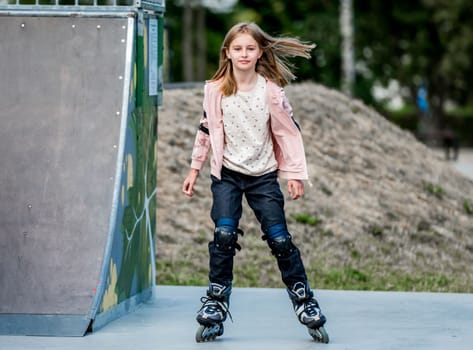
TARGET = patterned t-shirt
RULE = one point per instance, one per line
(248, 143)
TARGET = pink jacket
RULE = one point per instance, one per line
(287, 138)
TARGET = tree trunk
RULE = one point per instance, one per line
(187, 51)
(201, 44)
(346, 30)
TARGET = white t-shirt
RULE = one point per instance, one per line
(248, 143)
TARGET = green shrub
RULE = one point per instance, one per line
(307, 219)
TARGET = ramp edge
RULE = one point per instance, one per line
(125, 307)
(44, 325)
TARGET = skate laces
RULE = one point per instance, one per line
(311, 308)
(214, 305)
(308, 308)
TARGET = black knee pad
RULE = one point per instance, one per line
(282, 246)
(225, 239)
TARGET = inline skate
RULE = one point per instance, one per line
(308, 311)
(213, 312)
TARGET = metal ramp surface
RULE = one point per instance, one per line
(77, 175)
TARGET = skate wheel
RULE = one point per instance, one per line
(320, 335)
(198, 334)
(220, 330)
(208, 333)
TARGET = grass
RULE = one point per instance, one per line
(435, 190)
(307, 219)
(181, 273)
(352, 268)
(468, 207)
(340, 278)
(349, 278)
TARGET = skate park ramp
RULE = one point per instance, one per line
(76, 181)
(263, 319)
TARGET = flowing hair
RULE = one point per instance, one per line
(273, 64)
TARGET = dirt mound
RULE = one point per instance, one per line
(381, 203)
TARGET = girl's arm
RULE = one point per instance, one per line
(199, 156)
(295, 188)
(189, 182)
(201, 148)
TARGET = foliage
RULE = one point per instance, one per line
(340, 278)
(468, 206)
(434, 189)
(419, 42)
(353, 279)
(414, 42)
(307, 219)
(463, 112)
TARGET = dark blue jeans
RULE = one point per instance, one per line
(265, 198)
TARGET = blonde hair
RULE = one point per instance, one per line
(272, 65)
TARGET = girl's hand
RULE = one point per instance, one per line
(189, 182)
(295, 188)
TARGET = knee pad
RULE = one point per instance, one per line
(281, 245)
(225, 238)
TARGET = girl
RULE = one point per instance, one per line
(248, 124)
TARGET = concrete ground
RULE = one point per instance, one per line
(464, 163)
(263, 319)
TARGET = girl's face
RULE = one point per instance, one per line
(244, 52)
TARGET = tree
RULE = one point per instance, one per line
(194, 40)
(412, 42)
(346, 30)
(194, 34)
(419, 42)
(187, 42)
(314, 21)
